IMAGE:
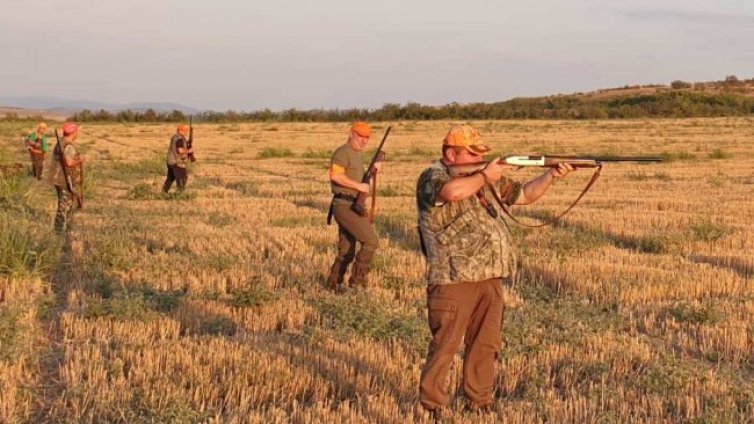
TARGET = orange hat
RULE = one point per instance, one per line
(70, 128)
(361, 128)
(182, 128)
(462, 135)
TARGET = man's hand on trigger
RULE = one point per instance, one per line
(494, 171)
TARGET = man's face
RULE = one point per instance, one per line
(357, 142)
(183, 131)
(41, 129)
(462, 156)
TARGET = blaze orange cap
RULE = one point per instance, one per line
(70, 128)
(462, 135)
(362, 128)
(182, 128)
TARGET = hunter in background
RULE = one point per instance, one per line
(470, 255)
(346, 174)
(180, 153)
(36, 144)
(65, 174)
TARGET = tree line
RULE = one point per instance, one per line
(662, 105)
(680, 100)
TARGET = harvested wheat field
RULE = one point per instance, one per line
(210, 306)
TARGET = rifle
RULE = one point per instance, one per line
(370, 177)
(190, 142)
(59, 153)
(545, 161)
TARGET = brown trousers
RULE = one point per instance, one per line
(352, 228)
(177, 174)
(472, 312)
(37, 164)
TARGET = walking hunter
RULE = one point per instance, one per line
(346, 173)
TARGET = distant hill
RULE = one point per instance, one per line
(71, 106)
(731, 85)
(31, 113)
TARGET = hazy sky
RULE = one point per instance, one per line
(248, 55)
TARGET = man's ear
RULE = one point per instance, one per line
(450, 155)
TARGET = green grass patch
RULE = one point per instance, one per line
(316, 154)
(573, 241)
(252, 297)
(12, 334)
(424, 153)
(142, 191)
(710, 231)
(551, 319)
(28, 245)
(676, 156)
(643, 176)
(26, 249)
(720, 154)
(247, 188)
(122, 306)
(360, 315)
(221, 220)
(392, 190)
(145, 167)
(718, 180)
(695, 314)
(274, 152)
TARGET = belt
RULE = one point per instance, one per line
(344, 196)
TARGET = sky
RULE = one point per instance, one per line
(250, 55)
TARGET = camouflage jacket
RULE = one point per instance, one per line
(462, 241)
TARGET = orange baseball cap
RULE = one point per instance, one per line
(182, 128)
(462, 135)
(70, 128)
(362, 128)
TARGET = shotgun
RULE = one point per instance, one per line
(190, 142)
(549, 161)
(359, 205)
(545, 161)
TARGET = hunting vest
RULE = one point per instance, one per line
(462, 241)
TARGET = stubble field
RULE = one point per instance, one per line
(210, 306)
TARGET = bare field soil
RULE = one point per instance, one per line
(210, 306)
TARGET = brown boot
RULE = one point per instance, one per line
(359, 275)
(337, 272)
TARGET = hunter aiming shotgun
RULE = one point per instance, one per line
(370, 177)
(547, 161)
(59, 153)
(190, 142)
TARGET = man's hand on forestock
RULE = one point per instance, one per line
(562, 170)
